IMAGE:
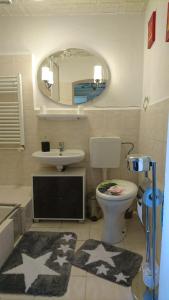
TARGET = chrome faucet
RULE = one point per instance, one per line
(61, 147)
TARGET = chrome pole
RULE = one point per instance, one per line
(153, 164)
(148, 248)
(141, 163)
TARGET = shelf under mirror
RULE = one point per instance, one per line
(61, 116)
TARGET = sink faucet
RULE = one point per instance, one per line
(61, 147)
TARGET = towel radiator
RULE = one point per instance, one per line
(11, 113)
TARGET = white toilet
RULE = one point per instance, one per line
(105, 152)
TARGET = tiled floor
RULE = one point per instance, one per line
(82, 285)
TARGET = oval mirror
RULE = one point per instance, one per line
(72, 76)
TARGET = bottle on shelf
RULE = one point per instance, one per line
(45, 145)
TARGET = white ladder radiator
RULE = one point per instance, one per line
(11, 113)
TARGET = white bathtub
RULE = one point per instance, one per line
(5, 211)
(15, 216)
(6, 240)
(6, 233)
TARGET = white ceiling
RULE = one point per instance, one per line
(71, 7)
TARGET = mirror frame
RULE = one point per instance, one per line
(108, 74)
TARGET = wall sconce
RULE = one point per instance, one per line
(47, 77)
(97, 76)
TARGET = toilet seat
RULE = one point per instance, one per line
(130, 190)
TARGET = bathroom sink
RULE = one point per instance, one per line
(59, 159)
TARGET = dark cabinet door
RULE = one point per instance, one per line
(58, 197)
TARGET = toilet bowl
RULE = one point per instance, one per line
(105, 153)
(114, 207)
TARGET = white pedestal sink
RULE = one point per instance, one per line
(59, 159)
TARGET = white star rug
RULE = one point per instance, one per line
(40, 264)
(109, 262)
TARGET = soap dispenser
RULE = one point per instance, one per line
(45, 145)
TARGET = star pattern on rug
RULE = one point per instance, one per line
(102, 270)
(121, 277)
(100, 254)
(68, 237)
(61, 260)
(65, 248)
(32, 268)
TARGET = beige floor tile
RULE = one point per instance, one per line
(82, 233)
(83, 285)
(95, 234)
(78, 272)
(135, 239)
(81, 229)
(15, 297)
(120, 245)
(85, 230)
(99, 289)
(97, 225)
(76, 289)
(46, 229)
(76, 224)
(134, 223)
(55, 224)
(96, 229)
(135, 246)
(138, 286)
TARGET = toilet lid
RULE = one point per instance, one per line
(127, 189)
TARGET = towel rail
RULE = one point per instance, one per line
(8, 87)
(8, 122)
(11, 113)
(7, 92)
(8, 113)
(7, 107)
(8, 103)
(13, 148)
(6, 143)
(9, 118)
(9, 131)
(9, 126)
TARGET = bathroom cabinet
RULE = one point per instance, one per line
(59, 195)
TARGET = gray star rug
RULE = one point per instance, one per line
(109, 262)
(39, 265)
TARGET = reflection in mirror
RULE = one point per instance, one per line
(72, 76)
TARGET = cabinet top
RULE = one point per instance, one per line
(67, 172)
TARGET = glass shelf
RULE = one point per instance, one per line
(61, 116)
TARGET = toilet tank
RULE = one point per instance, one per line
(105, 152)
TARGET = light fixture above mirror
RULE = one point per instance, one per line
(47, 77)
(72, 76)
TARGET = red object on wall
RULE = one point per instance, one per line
(151, 29)
(167, 28)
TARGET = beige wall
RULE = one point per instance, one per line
(153, 122)
(104, 35)
(152, 141)
(153, 134)
(156, 75)
(17, 167)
